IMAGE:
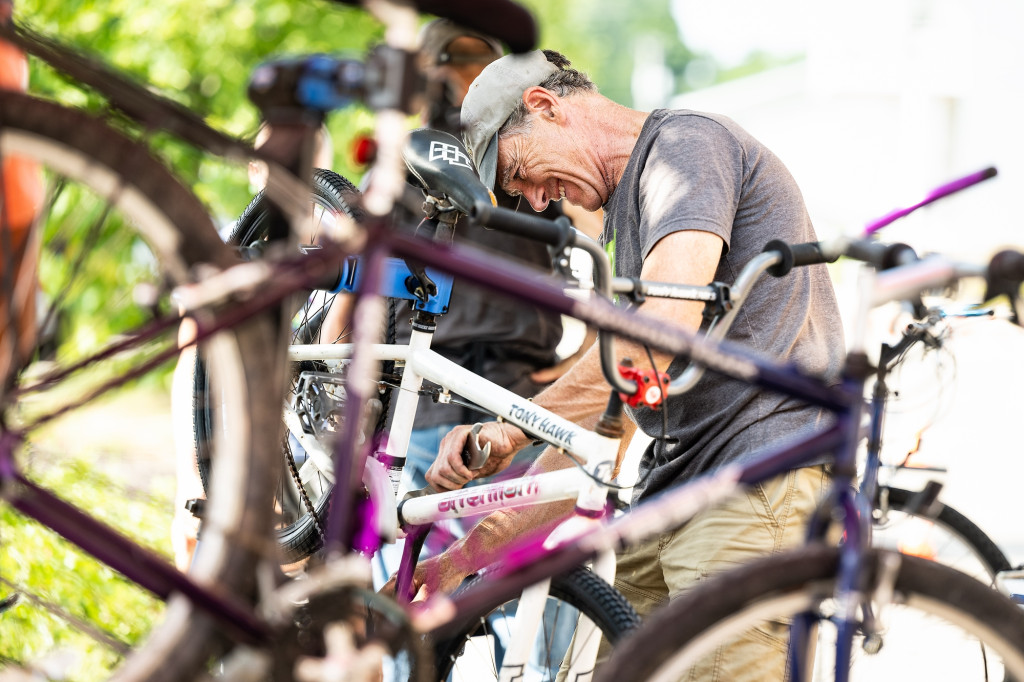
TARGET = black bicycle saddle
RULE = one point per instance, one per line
(440, 164)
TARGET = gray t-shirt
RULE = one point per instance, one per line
(697, 171)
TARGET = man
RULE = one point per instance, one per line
(510, 345)
(503, 342)
(21, 195)
(688, 197)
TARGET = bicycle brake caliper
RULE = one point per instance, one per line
(651, 386)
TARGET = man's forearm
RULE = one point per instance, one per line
(483, 544)
(581, 393)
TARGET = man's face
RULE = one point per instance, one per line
(464, 59)
(549, 162)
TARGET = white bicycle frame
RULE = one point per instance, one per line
(597, 454)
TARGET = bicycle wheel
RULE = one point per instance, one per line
(474, 652)
(317, 392)
(938, 623)
(104, 194)
(942, 533)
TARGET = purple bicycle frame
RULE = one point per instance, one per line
(528, 561)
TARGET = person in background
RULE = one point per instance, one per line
(21, 196)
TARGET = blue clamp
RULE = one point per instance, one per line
(398, 283)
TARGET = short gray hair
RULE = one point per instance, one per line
(566, 81)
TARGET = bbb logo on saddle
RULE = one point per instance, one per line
(450, 153)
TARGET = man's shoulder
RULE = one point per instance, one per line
(664, 122)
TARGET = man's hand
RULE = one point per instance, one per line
(449, 473)
(436, 575)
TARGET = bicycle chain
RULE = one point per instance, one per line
(306, 502)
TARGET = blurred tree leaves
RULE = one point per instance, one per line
(73, 582)
(201, 54)
(601, 38)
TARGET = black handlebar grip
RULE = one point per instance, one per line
(898, 254)
(556, 233)
(879, 255)
(807, 253)
(1005, 274)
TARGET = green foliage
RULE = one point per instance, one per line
(201, 54)
(90, 256)
(600, 37)
(48, 568)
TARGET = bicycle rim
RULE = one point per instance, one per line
(939, 624)
(117, 233)
(942, 534)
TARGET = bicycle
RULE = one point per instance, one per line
(803, 587)
(511, 578)
(446, 630)
(917, 522)
(317, 397)
(304, 531)
(50, 51)
(125, 185)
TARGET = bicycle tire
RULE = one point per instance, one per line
(298, 531)
(125, 182)
(778, 587)
(961, 543)
(579, 589)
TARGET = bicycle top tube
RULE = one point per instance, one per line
(730, 359)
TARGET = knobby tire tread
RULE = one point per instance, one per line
(580, 588)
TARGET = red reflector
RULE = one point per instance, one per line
(364, 150)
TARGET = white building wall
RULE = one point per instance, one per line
(895, 97)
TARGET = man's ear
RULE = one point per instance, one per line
(544, 103)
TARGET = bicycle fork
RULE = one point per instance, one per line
(591, 508)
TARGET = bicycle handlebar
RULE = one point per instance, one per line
(501, 19)
(557, 233)
(877, 254)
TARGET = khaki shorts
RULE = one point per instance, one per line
(769, 518)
